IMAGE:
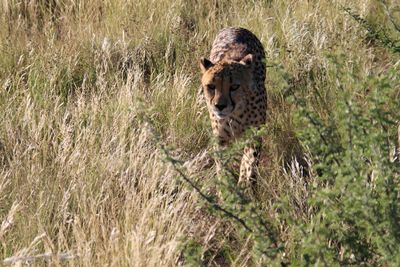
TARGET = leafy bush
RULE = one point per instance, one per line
(356, 201)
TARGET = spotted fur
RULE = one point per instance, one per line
(233, 84)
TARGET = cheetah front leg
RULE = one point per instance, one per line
(248, 165)
(219, 148)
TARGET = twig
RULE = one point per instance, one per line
(203, 195)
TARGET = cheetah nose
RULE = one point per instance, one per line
(220, 107)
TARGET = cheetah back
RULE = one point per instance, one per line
(235, 43)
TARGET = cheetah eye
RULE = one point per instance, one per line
(211, 87)
(234, 87)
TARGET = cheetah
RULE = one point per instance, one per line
(233, 83)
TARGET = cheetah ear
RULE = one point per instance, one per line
(247, 60)
(205, 64)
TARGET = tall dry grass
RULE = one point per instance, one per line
(82, 178)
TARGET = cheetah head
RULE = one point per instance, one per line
(226, 84)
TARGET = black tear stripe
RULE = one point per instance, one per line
(233, 103)
(226, 131)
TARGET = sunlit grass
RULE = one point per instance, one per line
(80, 168)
